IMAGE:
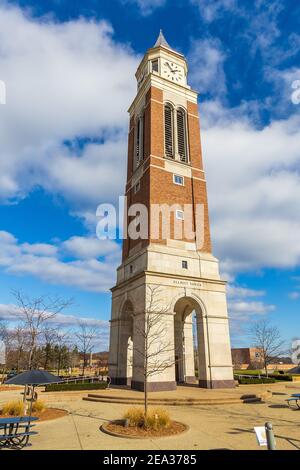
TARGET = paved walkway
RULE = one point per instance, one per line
(211, 427)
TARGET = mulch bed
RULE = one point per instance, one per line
(116, 428)
(46, 415)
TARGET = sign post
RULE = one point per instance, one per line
(265, 436)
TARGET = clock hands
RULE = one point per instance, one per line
(171, 69)
(167, 63)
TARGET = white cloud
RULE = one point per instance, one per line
(92, 269)
(63, 80)
(96, 175)
(206, 60)
(83, 247)
(244, 309)
(254, 189)
(43, 249)
(12, 313)
(241, 292)
(294, 295)
(250, 308)
(146, 6)
(210, 10)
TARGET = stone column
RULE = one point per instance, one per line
(161, 351)
(188, 351)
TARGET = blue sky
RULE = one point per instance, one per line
(69, 72)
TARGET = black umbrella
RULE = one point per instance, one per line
(33, 378)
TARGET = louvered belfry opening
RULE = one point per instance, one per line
(169, 145)
(139, 139)
(181, 135)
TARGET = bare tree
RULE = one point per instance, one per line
(85, 338)
(268, 340)
(4, 340)
(49, 339)
(61, 345)
(19, 339)
(153, 352)
(3, 330)
(35, 313)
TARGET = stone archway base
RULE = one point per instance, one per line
(154, 386)
(216, 384)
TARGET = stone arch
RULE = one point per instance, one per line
(194, 297)
(125, 340)
(185, 354)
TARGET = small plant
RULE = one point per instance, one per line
(13, 408)
(156, 418)
(38, 406)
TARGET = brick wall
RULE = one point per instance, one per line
(157, 185)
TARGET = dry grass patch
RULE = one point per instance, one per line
(39, 409)
(156, 418)
(38, 406)
(13, 408)
(135, 424)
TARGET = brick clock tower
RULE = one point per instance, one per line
(165, 169)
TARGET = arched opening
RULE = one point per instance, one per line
(182, 135)
(189, 340)
(169, 131)
(125, 344)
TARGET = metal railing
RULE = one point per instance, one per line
(84, 379)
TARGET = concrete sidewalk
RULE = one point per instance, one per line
(211, 427)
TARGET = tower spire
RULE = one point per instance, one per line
(161, 41)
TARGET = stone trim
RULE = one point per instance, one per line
(216, 384)
(190, 379)
(163, 159)
(172, 172)
(121, 381)
(220, 365)
(154, 386)
(169, 276)
(193, 115)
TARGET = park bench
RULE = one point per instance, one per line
(15, 432)
(294, 398)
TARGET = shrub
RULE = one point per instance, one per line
(135, 416)
(263, 380)
(72, 386)
(38, 406)
(157, 418)
(285, 377)
(13, 408)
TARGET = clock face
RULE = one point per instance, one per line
(173, 72)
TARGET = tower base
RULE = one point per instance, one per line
(187, 301)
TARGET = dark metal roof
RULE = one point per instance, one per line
(161, 41)
(33, 377)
